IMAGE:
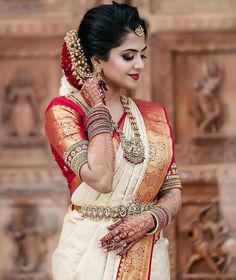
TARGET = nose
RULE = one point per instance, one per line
(139, 63)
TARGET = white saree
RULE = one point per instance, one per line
(78, 256)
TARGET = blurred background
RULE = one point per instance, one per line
(190, 70)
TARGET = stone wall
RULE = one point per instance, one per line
(190, 70)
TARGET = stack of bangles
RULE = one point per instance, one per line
(98, 121)
(162, 217)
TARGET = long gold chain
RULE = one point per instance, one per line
(133, 149)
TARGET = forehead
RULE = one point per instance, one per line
(131, 41)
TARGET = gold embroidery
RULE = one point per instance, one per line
(64, 131)
(83, 106)
(64, 120)
(172, 179)
(135, 265)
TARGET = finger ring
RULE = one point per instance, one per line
(123, 244)
(123, 235)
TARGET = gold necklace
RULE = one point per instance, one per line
(133, 149)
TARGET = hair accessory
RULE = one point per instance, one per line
(75, 64)
(139, 30)
(79, 64)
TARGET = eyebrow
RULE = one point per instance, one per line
(134, 50)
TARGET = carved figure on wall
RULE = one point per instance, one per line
(200, 247)
(211, 241)
(223, 245)
(29, 237)
(21, 114)
(208, 108)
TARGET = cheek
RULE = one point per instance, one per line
(116, 66)
(116, 70)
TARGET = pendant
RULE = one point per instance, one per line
(133, 150)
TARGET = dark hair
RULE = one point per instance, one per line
(104, 28)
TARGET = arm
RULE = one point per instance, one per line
(166, 209)
(91, 159)
(98, 172)
(169, 199)
(125, 233)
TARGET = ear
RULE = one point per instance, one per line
(95, 60)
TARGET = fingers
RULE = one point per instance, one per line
(125, 249)
(116, 224)
(125, 233)
(107, 239)
(116, 245)
(93, 91)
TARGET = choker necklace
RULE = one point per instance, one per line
(133, 149)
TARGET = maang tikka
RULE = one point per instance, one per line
(139, 30)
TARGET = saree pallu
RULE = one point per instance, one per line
(78, 256)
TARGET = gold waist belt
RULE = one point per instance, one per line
(117, 212)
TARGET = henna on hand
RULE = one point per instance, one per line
(125, 233)
(93, 91)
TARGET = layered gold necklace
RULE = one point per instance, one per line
(133, 149)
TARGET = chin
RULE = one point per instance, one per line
(130, 86)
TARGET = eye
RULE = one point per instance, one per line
(143, 56)
(128, 57)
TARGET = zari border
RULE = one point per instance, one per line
(136, 264)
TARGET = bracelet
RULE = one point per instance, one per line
(156, 224)
(98, 121)
(76, 156)
(92, 132)
(162, 218)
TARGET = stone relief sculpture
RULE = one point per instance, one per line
(21, 114)
(212, 243)
(208, 109)
(29, 235)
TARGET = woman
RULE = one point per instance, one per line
(116, 153)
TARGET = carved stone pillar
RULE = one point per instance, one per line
(192, 77)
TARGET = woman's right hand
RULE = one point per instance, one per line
(93, 91)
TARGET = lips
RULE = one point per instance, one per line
(134, 76)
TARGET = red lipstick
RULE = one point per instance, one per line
(134, 76)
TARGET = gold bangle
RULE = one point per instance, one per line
(156, 224)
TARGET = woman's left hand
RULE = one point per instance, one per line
(125, 233)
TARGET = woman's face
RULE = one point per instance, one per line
(125, 63)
